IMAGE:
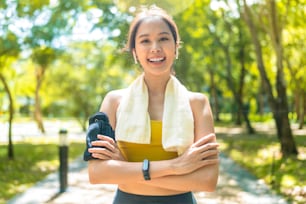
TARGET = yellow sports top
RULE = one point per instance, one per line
(134, 152)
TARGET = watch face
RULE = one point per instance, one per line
(145, 165)
(145, 169)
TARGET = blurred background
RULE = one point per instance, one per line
(58, 59)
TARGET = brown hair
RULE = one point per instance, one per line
(147, 12)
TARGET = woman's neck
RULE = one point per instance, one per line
(156, 84)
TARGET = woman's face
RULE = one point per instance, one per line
(154, 46)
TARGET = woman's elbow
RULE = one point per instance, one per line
(207, 185)
(209, 182)
(92, 176)
(212, 185)
(93, 179)
(94, 173)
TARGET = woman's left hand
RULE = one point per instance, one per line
(105, 149)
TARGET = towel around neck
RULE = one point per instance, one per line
(133, 120)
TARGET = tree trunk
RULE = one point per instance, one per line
(10, 148)
(260, 102)
(37, 109)
(303, 110)
(244, 108)
(279, 105)
(213, 92)
(237, 95)
(299, 96)
(230, 82)
(285, 133)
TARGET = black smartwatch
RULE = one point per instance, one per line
(145, 169)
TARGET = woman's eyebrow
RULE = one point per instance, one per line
(164, 33)
(142, 35)
(146, 35)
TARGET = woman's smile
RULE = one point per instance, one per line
(160, 59)
(155, 46)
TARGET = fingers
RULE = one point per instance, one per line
(210, 162)
(100, 153)
(206, 148)
(106, 142)
(106, 138)
(209, 146)
(205, 139)
(105, 148)
(209, 154)
(213, 147)
(105, 154)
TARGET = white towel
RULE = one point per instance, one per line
(133, 120)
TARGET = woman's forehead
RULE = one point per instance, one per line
(153, 24)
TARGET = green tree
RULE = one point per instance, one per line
(294, 52)
(84, 80)
(9, 50)
(62, 18)
(41, 38)
(43, 57)
(278, 104)
(229, 35)
(214, 42)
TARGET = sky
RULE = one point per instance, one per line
(83, 28)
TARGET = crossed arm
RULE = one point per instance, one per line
(194, 170)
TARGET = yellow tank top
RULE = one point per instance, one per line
(154, 151)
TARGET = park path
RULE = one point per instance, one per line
(235, 185)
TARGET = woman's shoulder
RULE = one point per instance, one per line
(115, 95)
(198, 101)
(197, 97)
(110, 104)
(112, 100)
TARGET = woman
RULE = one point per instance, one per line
(165, 143)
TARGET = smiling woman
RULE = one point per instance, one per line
(164, 146)
(155, 46)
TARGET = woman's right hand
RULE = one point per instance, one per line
(105, 149)
(202, 153)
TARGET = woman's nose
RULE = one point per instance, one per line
(155, 47)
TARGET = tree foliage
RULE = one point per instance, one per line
(70, 55)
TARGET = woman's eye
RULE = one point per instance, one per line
(144, 41)
(164, 39)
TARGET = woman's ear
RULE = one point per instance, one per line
(177, 51)
(134, 56)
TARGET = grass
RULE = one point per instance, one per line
(260, 154)
(33, 162)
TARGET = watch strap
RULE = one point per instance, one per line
(146, 169)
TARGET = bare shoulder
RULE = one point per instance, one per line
(200, 107)
(197, 100)
(203, 118)
(110, 104)
(114, 96)
(112, 99)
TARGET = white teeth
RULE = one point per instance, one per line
(156, 59)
